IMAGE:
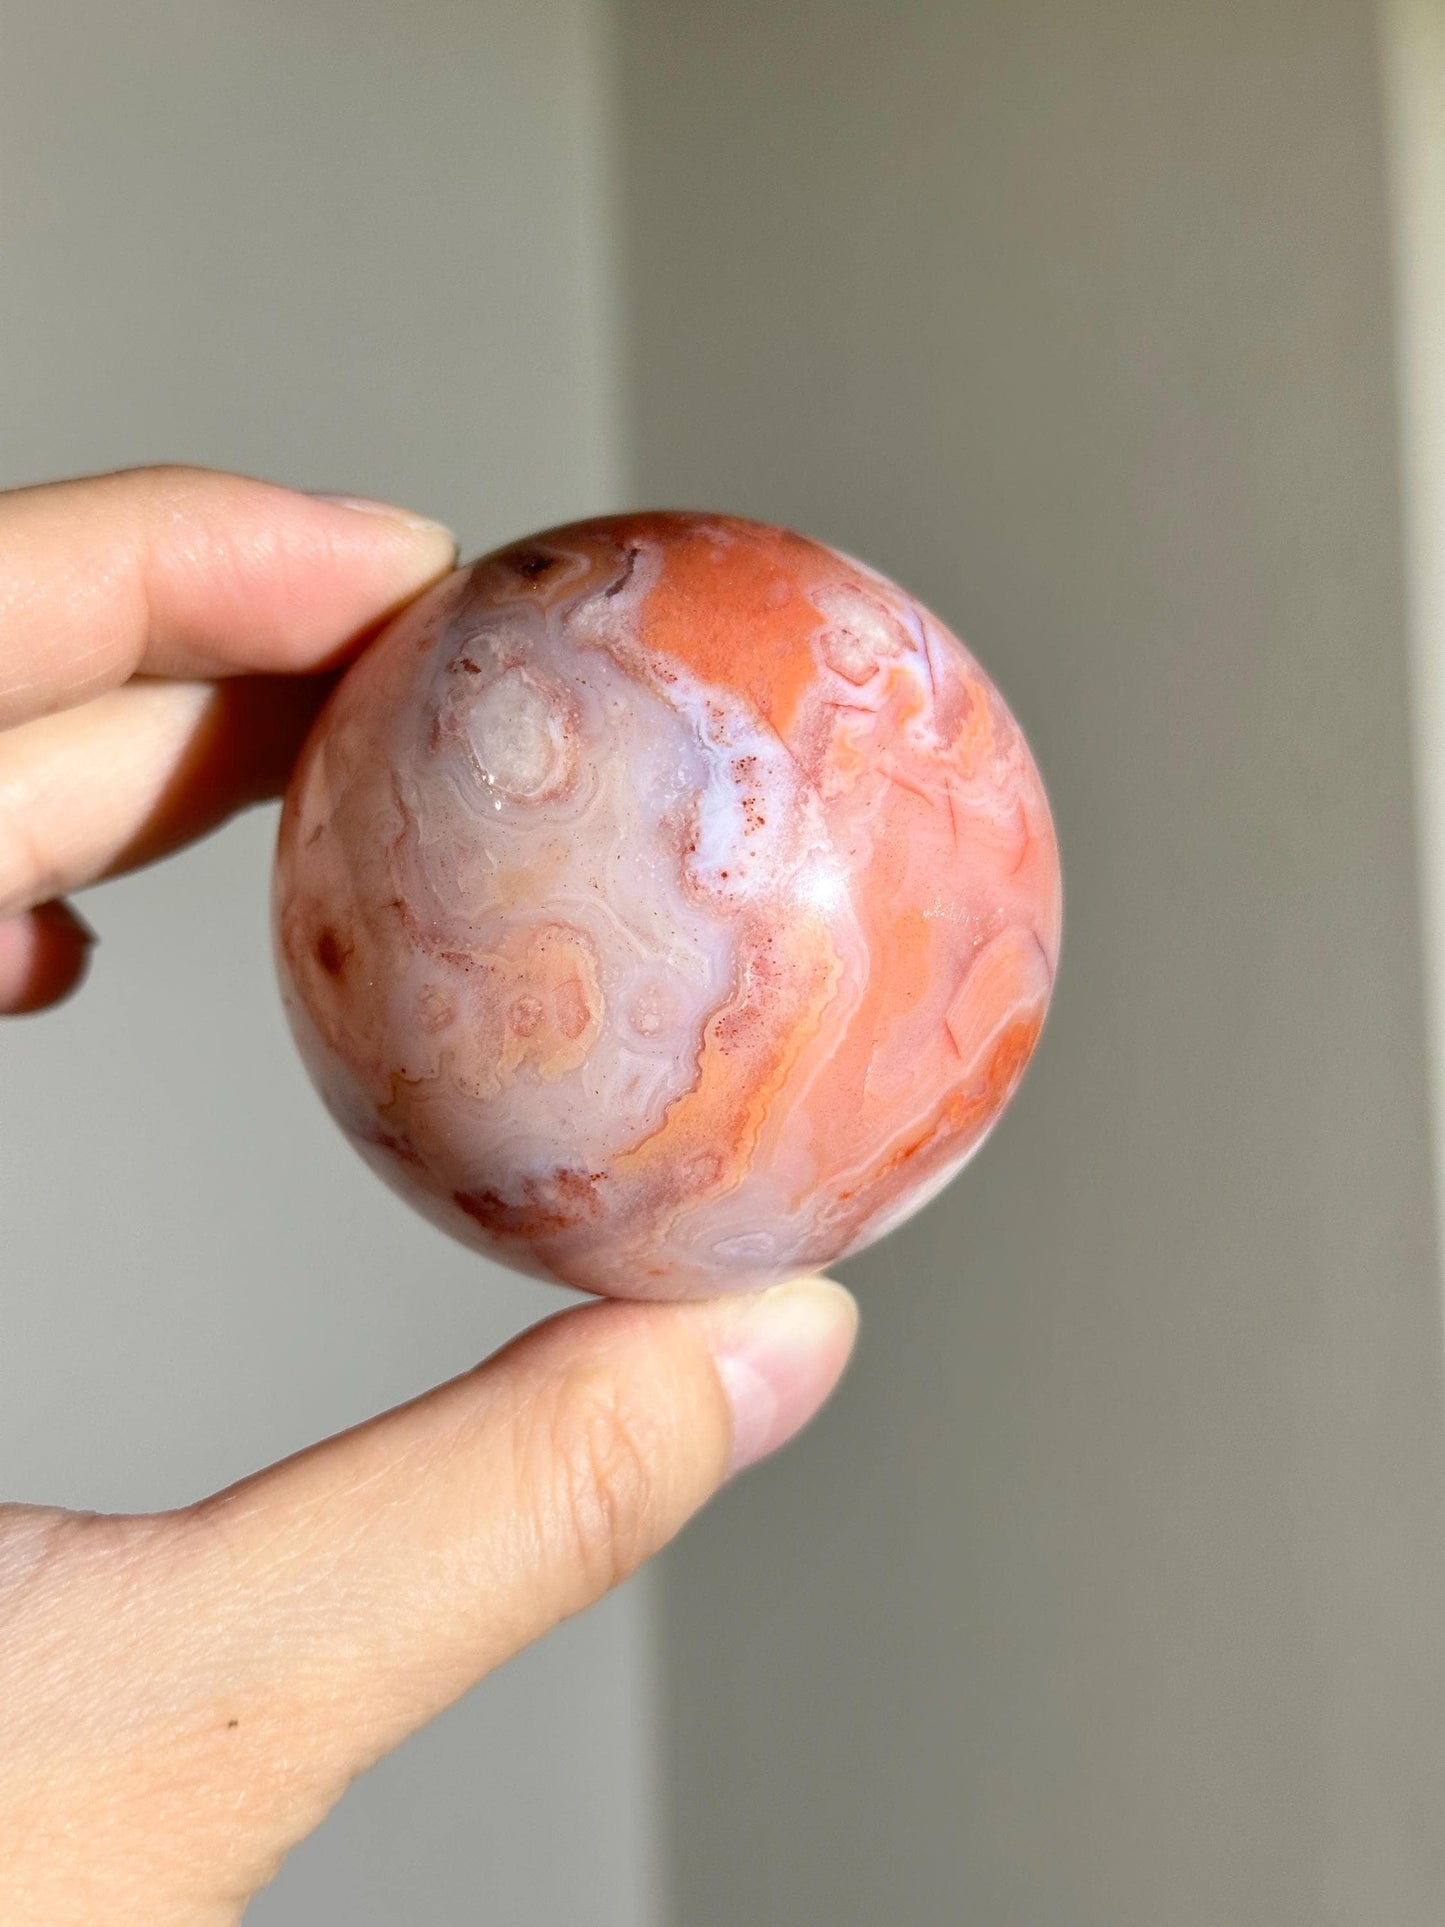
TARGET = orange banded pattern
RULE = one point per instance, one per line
(667, 903)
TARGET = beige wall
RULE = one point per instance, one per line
(1110, 1593)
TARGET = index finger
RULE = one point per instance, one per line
(191, 572)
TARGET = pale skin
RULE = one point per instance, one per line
(184, 1695)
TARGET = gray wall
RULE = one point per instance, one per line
(1110, 1592)
(313, 242)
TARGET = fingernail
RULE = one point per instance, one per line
(778, 1358)
(363, 505)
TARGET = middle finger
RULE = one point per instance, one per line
(128, 776)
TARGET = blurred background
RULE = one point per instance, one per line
(1111, 1590)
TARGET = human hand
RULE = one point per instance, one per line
(184, 1695)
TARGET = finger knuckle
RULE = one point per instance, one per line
(602, 1452)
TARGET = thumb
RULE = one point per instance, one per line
(350, 1593)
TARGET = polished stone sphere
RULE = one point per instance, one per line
(666, 904)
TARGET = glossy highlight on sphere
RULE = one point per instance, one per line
(666, 904)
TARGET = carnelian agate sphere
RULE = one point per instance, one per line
(666, 904)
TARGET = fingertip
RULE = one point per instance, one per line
(191, 572)
(780, 1356)
(436, 534)
(253, 575)
(44, 956)
(406, 550)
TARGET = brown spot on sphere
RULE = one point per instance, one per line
(330, 954)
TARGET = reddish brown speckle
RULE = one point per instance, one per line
(569, 1199)
(399, 1148)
